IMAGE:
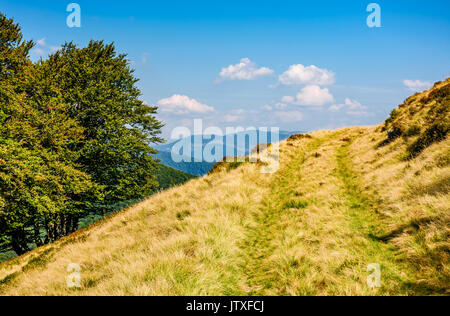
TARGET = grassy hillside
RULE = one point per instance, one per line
(166, 176)
(340, 201)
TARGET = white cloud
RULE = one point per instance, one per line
(417, 85)
(238, 112)
(289, 116)
(336, 107)
(352, 107)
(41, 42)
(310, 75)
(54, 49)
(42, 49)
(233, 116)
(245, 70)
(288, 99)
(280, 106)
(181, 104)
(349, 105)
(311, 96)
(37, 52)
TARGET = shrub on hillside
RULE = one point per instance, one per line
(437, 132)
(412, 131)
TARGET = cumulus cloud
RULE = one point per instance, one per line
(417, 85)
(310, 75)
(39, 50)
(352, 107)
(278, 106)
(311, 96)
(288, 99)
(181, 104)
(245, 70)
(42, 49)
(349, 105)
(289, 116)
(54, 49)
(41, 42)
(238, 112)
(233, 116)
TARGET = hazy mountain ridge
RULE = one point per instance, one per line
(189, 165)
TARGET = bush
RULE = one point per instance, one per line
(436, 133)
(299, 136)
(412, 131)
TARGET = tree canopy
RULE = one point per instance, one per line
(74, 138)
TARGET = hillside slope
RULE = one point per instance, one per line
(166, 176)
(341, 200)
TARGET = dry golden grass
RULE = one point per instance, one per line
(414, 201)
(179, 242)
(337, 204)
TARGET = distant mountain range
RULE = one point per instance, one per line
(237, 144)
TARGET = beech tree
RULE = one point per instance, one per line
(74, 138)
(40, 185)
(99, 91)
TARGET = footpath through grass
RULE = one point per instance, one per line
(316, 232)
(278, 209)
(363, 219)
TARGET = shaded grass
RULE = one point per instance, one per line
(398, 276)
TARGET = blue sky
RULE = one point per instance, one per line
(297, 65)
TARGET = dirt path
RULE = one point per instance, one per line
(315, 232)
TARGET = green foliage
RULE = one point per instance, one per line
(394, 114)
(74, 137)
(231, 165)
(425, 115)
(168, 177)
(100, 94)
(412, 131)
(295, 204)
(182, 215)
(437, 132)
(234, 165)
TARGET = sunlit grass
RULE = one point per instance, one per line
(336, 205)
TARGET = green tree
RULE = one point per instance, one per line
(41, 186)
(74, 138)
(98, 88)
